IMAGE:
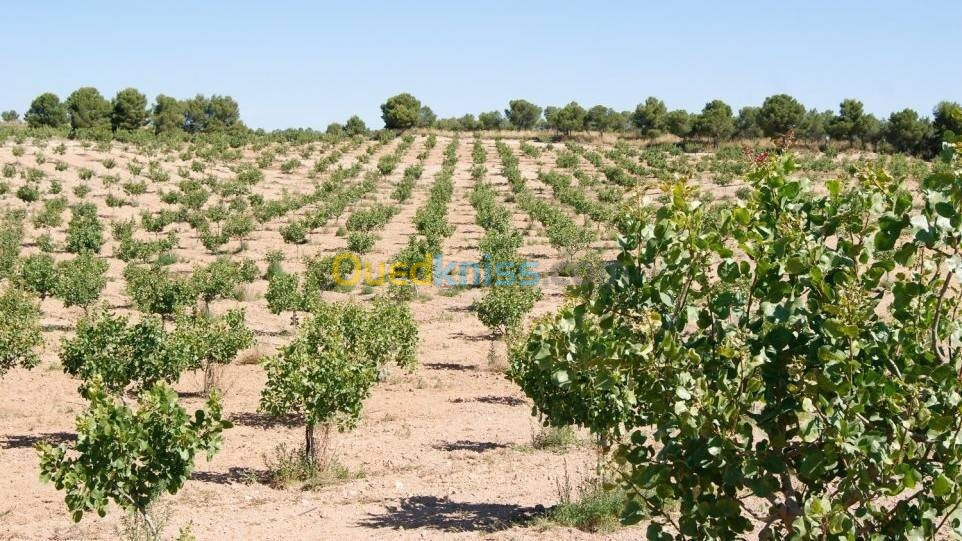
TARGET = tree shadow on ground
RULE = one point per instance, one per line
(56, 327)
(448, 516)
(263, 420)
(30, 440)
(450, 366)
(492, 399)
(233, 475)
(461, 335)
(466, 445)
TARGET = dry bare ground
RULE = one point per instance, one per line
(443, 452)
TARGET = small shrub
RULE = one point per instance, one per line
(20, 334)
(84, 232)
(361, 242)
(294, 233)
(129, 456)
(80, 280)
(28, 193)
(594, 508)
(39, 274)
(554, 439)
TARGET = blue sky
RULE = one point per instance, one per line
(305, 64)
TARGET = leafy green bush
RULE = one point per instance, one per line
(20, 335)
(220, 278)
(294, 232)
(331, 366)
(211, 341)
(374, 217)
(361, 242)
(128, 456)
(284, 295)
(109, 354)
(80, 280)
(11, 236)
(38, 272)
(28, 193)
(84, 232)
(155, 291)
(399, 112)
(794, 349)
(503, 307)
(288, 166)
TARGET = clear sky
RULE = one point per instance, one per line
(305, 64)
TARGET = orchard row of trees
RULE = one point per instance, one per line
(86, 109)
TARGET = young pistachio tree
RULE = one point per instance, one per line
(80, 280)
(328, 370)
(503, 307)
(284, 294)
(20, 334)
(115, 356)
(220, 279)
(509, 298)
(11, 238)
(131, 456)
(799, 350)
(38, 273)
(155, 291)
(211, 341)
(85, 233)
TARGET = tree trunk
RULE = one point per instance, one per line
(310, 444)
(152, 530)
(209, 379)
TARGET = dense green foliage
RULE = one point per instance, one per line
(131, 457)
(84, 232)
(811, 365)
(110, 354)
(115, 355)
(328, 370)
(715, 121)
(88, 109)
(904, 131)
(128, 110)
(567, 119)
(650, 117)
(779, 114)
(523, 114)
(38, 272)
(80, 280)
(46, 111)
(401, 112)
(20, 336)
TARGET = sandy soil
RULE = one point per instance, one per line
(443, 452)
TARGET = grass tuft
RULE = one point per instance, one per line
(290, 468)
(594, 509)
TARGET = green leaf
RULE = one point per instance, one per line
(942, 486)
(794, 265)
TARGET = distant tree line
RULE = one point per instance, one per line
(903, 131)
(86, 109)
